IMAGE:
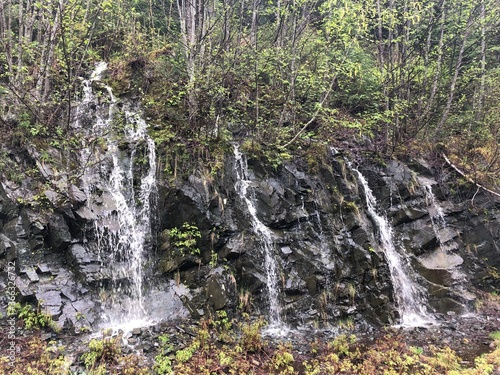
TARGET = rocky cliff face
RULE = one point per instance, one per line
(329, 265)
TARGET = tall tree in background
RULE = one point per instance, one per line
(396, 71)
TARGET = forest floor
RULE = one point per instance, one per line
(222, 346)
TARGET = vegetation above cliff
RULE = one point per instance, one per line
(406, 77)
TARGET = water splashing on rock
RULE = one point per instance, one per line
(120, 181)
(408, 294)
(442, 257)
(265, 239)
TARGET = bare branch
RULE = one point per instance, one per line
(467, 177)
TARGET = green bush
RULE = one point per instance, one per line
(184, 239)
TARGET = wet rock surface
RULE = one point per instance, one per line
(324, 240)
(325, 244)
(468, 334)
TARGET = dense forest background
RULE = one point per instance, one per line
(398, 77)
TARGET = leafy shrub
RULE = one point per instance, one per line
(251, 338)
(31, 318)
(184, 239)
(101, 352)
(163, 363)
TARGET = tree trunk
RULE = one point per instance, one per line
(458, 67)
(482, 82)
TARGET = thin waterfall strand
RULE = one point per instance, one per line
(436, 214)
(409, 298)
(265, 238)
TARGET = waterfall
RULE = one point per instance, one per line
(120, 182)
(323, 243)
(264, 236)
(436, 214)
(441, 258)
(409, 297)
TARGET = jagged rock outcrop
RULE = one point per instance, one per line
(324, 241)
(325, 245)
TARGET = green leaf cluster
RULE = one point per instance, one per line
(184, 239)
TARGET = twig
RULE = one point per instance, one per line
(467, 177)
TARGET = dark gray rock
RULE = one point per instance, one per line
(85, 308)
(330, 265)
(31, 274)
(8, 210)
(23, 288)
(81, 254)
(43, 268)
(50, 301)
(407, 215)
(59, 236)
(55, 198)
(86, 263)
(216, 293)
(66, 292)
(10, 229)
(76, 194)
(84, 213)
(6, 246)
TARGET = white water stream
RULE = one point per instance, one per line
(265, 238)
(436, 214)
(442, 258)
(120, 181)
(408, 294)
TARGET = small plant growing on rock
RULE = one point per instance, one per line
(32, 318)
(184, 239)
(351, 290)
(346, 324)
(245, 301)
(351, 206)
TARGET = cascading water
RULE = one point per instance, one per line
(442, 258)
(123, 233)
(265, 238)
(120, 180)
(323, 243)
(436, 214)
(409, 297)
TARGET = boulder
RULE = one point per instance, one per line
(216, 293)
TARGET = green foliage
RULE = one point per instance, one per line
(282, 360)
(223, 322)
(184, 355)
(276, 75)
(214, 257)
(163, 363)
(37, 357)
(495, 335)
(184, 239)
(251, 339)
(249, 353)
(32, 318)
(101, 352)
(352, 206)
